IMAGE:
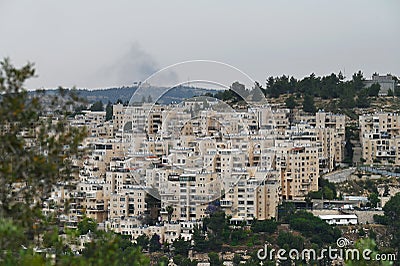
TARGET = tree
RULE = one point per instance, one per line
(358, 81)
(373, 200)
(163, 261)
(36, 151)
(328, 193)
(199, 239)
(285, 211)
(236, 259)
(363, 244)
(290, 240)
(267, 226)
(11, 235)
(381, 219)
(312, 226)
(290, 102)
(308, 104)
(109, 111)
(154, 244)
(87, 224)
(108, 249)
(216, 223)
(397, 91)
(142, 241)
(97, 106)
(392, 212)
(362, 99)
(170, 211)
(182, 261)
(214, 260)
(181, 246)
(390, 93)
(373, 90)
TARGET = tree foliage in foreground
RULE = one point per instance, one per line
(38, 148)
(37, 145)
(392, 214)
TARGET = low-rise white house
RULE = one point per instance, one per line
(340, 219)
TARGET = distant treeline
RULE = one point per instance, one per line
(327, 87)
(347, 94)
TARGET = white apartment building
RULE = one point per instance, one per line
(380, 138)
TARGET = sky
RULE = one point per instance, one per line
(99, 44)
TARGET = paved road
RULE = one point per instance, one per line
(339, 176)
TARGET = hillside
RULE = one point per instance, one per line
(124, 94)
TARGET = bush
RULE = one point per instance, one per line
(266, 226)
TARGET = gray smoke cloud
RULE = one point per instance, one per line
(134, 66)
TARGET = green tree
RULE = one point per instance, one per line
(143, 241)
(11, 235)
(154, 244)
(87, 224)
(328, 193)
(308, 104)
(392, 212)
(199, 239)
(109, 111)
(108, 249)
(285, 211)
(347, 99)
(266, 226)
(288, 240)
(97, 106)
(36, 151)
(397, 91)
(216, 223)
(182, 261)
(362, 100)
(181, 246)
(163, 261)
(373, 200)
(236, 259)
(381, 219)
(170, 211)
(313, 227)
(358, 81)
(290, 102)
(373, 90)
(213, 259)
(362, 245)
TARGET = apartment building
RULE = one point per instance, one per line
(299, 169)
(248, 197)
(380, 138)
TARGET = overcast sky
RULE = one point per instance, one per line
(98, 43)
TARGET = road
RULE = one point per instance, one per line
(340, 175)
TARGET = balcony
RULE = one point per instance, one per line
(226, 203)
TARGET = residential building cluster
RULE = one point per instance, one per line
(199, 155)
